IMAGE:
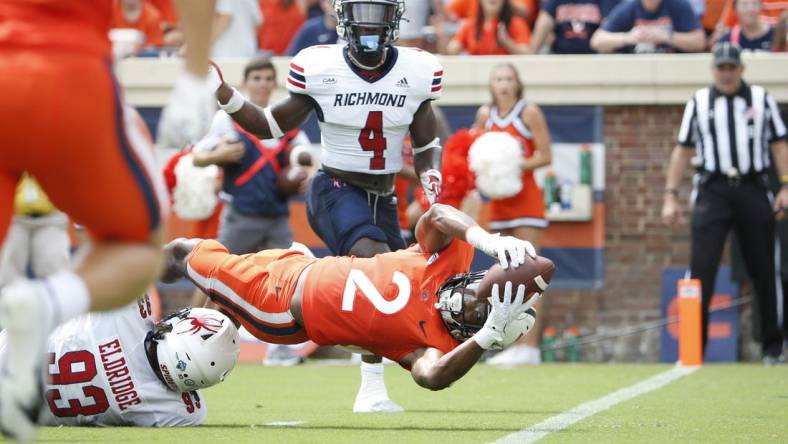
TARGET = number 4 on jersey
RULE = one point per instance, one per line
(372, 139)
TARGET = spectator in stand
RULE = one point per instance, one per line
(752, 32)
(712, 14)
(770, 12)
(234, 32)
(569, 25)
(281, 21)
(467, 9)
(416, 18)
(495, 31)
(139, 15)
(173, 36)
(320, 30)
(649, 26)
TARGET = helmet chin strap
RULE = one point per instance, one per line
(354, 59)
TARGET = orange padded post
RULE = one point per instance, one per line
(690, 339)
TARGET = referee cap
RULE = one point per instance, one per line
(726, 53)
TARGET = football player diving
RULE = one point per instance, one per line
(419, 307)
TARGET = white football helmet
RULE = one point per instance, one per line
(194, 348)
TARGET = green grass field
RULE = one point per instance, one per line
(719, 403)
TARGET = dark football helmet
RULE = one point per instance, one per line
(369, 25)
(460, 308)
(463, 311)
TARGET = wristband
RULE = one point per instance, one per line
(235, 103)
(476, 236)
(488, 339)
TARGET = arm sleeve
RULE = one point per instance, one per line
(777, 130)
(687, 134)
(620, 19)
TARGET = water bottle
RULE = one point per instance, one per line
(572, 344)
(566, 196)
(549, 188)
(585, 165)
(548, 341)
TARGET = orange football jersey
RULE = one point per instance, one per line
(384, 304)
(56, 24)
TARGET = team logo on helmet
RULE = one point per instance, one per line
(200, 323)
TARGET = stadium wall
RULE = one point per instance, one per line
(642, 99)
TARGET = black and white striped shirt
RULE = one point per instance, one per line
(732, 132)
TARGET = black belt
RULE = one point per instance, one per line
(735, 180)
(377, 183)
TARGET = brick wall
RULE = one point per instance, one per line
(638, 140)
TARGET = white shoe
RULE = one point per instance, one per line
(26, 316)
(517, 355)
(368, 405)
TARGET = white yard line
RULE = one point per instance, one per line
(284, 423)
(563, 420)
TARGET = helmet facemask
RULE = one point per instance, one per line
(369, 25)
(462, 311)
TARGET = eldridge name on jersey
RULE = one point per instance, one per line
(364, 116)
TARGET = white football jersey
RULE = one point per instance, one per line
(101, 375)
(364, 122)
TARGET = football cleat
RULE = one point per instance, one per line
(26, 315)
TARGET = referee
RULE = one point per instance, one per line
(724, 134)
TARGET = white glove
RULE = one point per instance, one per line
(492, 335)
(431, 181)
(188, 115)
(500, 247)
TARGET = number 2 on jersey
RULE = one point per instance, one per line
(357, 280)
(372, 139)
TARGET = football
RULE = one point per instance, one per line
(290, 180)
(535, 273)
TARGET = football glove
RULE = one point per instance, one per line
(431, 181)
(493, 335)
(507, 249)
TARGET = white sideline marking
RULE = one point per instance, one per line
(563, 420)
(285, 423)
